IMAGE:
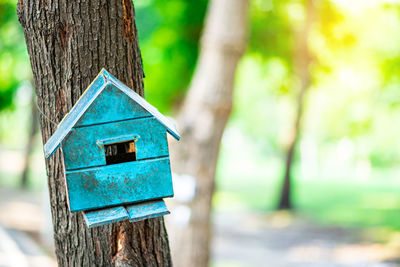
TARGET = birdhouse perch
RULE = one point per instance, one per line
(116, 156)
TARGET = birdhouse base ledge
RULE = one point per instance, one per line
(133, 212)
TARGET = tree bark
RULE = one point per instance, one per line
(33, 128)
(301, 60)
(68, 44)
(202, 120)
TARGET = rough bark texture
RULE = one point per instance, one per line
(68, 43)
(33, 129)
(302, 60)
(202, 120)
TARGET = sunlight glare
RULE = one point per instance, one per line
(356, 7)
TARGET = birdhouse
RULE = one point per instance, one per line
(115, 153)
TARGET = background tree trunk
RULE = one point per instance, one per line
(68, 43)
(302, 60)
(202, 120)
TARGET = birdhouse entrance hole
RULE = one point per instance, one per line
(120, 152)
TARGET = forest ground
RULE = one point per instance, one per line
(240, 240)
(281, 239)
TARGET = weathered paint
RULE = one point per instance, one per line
(109, 112)
(168, 124)
(119, 184)
(102, 81)
(111, 104)
(105, 216)
(81, 148)
(135, 212)
(73, 116)
(146, 210)
(118, 139)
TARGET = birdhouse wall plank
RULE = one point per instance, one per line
(83, 148)
(119, 184)
(112, 105)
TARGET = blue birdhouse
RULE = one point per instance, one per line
(115, 151)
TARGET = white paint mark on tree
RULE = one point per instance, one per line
(184, 187)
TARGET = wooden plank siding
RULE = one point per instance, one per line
(118, 184)
(81, 147)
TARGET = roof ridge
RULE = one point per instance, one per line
(101, 81)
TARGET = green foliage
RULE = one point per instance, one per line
(270, 29)
(354, 71)
(351, 109)
(169, 34)
(14, 64)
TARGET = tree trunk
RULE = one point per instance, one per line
(202, 120)
(301, 60)
(33, 128)
(68, 43)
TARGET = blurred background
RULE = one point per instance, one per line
(342, 207)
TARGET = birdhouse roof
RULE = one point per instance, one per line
(103, 79)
